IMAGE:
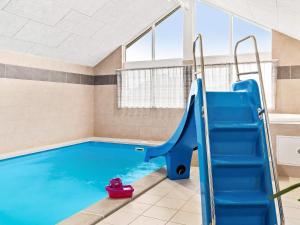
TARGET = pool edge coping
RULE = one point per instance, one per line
(98, 211)
(45, 148)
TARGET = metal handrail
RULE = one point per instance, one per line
(204, 110)
(266, 116)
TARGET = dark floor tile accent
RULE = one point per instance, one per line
(284, 72)
(295, 72)
(87, 79)
(106, 79)
(19, 72)
(2, 70)
(73, 78)
(57, 76)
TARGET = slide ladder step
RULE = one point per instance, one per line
(237, 161)
(234, 126)
(246, 198)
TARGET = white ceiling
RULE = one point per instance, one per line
(280, 15)
(75, 31)
(85, 31)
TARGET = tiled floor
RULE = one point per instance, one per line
(178, 203)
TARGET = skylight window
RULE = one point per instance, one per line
(169, 37)
(214, 25)
(163, 41)
(242, 28)
(140, 50)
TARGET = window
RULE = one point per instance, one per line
(168, 87)
(217, 30)
(214, 25)
(151, 88)
(169, 37)
(167, 43)
(242, 28)
(141, 50)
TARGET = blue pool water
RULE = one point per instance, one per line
(44, 188)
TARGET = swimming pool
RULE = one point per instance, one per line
(45, 188)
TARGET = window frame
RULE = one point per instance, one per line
(152, 30)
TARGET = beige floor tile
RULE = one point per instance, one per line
(289, 221)
(288, 202)
(160, 190)
(135, 207)
(121, 218)
(80, 219)
(187, 218)
(182, 194)
(168, 183)
(189, 184)
(160, 213)
(171, 223)
(171, 203)
(148, 199)
(102, 223)
(293, 213)
(196, 197)
(192, 206)
(143, 220)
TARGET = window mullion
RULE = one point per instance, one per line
(230, 35)
(153, 42)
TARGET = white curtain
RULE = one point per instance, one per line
(168, 87)
(152, 88)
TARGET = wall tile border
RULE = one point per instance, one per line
(288, 72)
(28, 73)
(106, 79)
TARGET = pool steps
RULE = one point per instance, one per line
(241, 176)
(240, 166)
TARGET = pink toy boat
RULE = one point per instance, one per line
(116, 189)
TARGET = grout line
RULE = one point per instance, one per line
(21, 28)
(62, 18)
(3, 8)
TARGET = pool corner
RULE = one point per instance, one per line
(105, 207)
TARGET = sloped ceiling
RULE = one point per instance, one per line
(85, 31)
(76, 31)
(280, 15)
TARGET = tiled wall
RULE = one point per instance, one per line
(147, 124)
(287, 91)
(42, 107)
(288, 72)
(285, 130)
(287, 50)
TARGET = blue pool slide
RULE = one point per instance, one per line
(179, 148)
(241, 178)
